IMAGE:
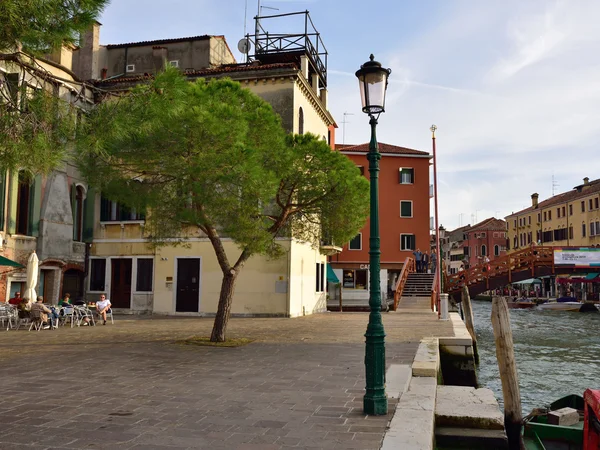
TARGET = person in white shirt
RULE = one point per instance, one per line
(102, 306)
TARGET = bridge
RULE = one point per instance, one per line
(531, 262)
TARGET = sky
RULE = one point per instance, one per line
(513, 87)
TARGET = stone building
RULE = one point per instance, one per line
(180, 280)
(51, 214)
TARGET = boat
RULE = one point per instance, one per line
(560, 306)
(520, 304)
(538, 434)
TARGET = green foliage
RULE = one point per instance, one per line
(212, 155)
(42, 25)
(35, 127)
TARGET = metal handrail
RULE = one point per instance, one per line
(407, 268)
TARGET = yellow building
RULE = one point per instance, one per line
(187, 279)
(570, 218)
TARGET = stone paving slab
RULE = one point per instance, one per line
(129, 386)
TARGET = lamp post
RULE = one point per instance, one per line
(373, 80)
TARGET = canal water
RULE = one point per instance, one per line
(557, 353)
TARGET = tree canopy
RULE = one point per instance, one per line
(211, 157)
(42, 25)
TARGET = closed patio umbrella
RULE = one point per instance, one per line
(32, 278)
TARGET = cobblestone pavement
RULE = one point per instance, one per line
(129, 386)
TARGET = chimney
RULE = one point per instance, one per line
(159, 57)
(586, 180)
(88, 53)
(534, 199)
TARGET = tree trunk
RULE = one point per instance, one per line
(224, 309)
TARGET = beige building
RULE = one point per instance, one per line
(49, 214)
(187, 280)
(570, 218)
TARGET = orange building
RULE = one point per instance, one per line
(404, 218)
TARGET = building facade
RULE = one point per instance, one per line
(403, 218)
(570, 218)
(486, 239)
(187, 280)
(51, 214)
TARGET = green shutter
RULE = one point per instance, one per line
(74, 207)
(88, 215)
(2, 199)
(35, 206)
(13, 193)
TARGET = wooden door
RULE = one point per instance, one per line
(188, 285)
(120, 286)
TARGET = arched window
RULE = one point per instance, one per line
(300, 121)
(496, 250)
(483, 250)
(78, 218)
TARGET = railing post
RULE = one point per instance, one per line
(444, 307)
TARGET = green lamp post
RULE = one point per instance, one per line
(373, 80)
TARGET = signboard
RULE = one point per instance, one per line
(577, 257)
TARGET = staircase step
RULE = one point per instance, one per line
(471, 438)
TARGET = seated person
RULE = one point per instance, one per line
(23, 308)
(102, 306)
(38, 308)
(66, 301)
(16, 299)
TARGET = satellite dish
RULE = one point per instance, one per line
(244, 45)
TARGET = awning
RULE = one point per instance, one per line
(9, 262)
(331, 275)
(591, 276)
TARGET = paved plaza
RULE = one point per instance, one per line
(131, 386)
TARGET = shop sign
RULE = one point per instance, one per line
(577, 257)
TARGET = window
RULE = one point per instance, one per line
(571, 232)
(583, 230)
(515, 223)
(570, 210)
(144, 275)
(547, 236)
(354, 279)
(23, 197)
(529, 220)
(406, 176)
(539, 217)
(406, 208)
(361, 169)
(174, 63)
(78, 214)
(130, 68)
(300, 121)
(356, 243)
(466, 251)
(596, 203)
(549, 215)
(97, 274)
(515, 242)
(545, 216)
(583, 206)
(590, 205)
(483, 250)
(320, 277)
(407, 242)
(529, 236)
(558, 212)
(593, 230)
(496, 250)
(111, 211)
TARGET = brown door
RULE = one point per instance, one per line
(120, 286)
(188, 285)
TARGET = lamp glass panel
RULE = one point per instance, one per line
(375, 83)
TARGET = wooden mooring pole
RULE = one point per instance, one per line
(508, 372)
(468, 318)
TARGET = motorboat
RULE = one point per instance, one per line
(560, 306)
(520, 303)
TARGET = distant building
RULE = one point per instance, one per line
(571, 218)
(403, 218)
(484, 239)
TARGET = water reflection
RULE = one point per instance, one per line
(557, 353)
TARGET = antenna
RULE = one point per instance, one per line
(344, 122)
(554, 184)
(460, 216)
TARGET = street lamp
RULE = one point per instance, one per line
(373, 80)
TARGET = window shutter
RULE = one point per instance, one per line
(88, 215)
(74, 207)
(2, 199)
(35, 206)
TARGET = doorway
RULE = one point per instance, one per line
(120, 286)
(188, 285)
(73, 284)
